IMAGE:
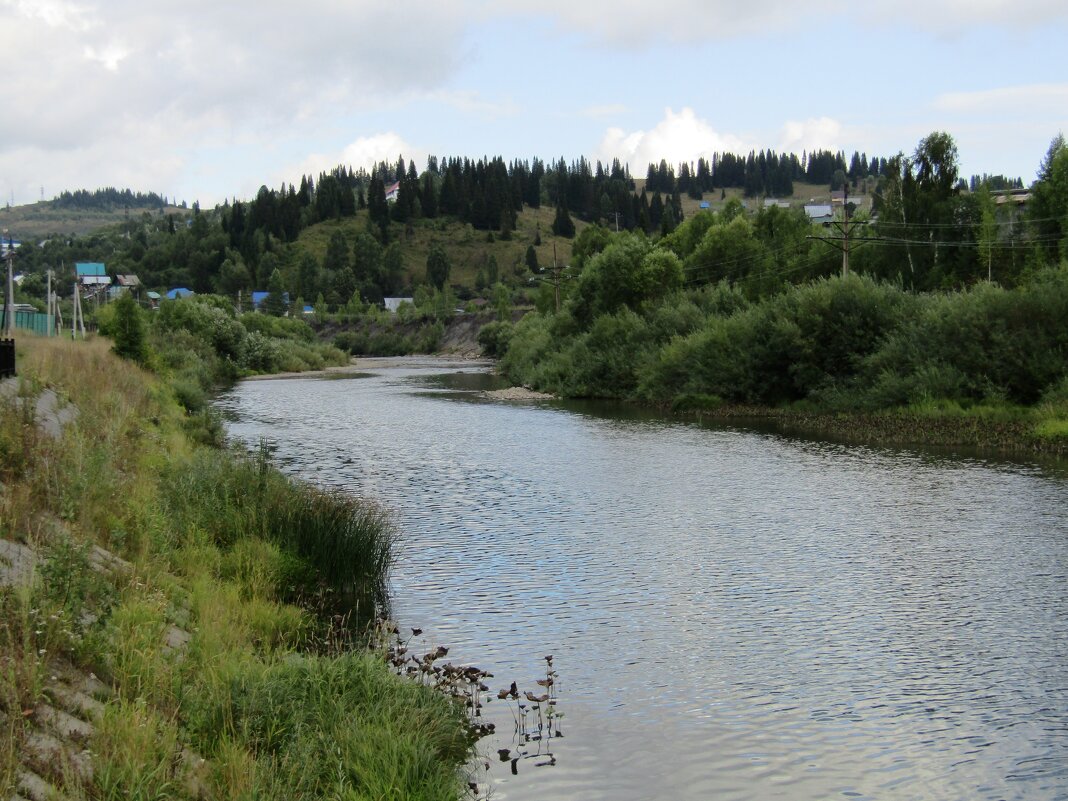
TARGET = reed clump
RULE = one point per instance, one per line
(335, 542)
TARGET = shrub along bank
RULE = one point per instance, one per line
(250, 565)
(200, 342)
(851, 345)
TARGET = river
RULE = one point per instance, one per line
(733, 614)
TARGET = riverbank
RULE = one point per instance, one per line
(1007, 430)
(159, 597)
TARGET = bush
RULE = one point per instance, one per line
(603, 363)
(494, 337)
(261, 353)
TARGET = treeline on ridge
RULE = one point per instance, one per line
(108, 198)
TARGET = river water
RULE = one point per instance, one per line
(733, 614)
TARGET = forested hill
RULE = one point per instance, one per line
(488, 222)
(109, 198)
(81, 212)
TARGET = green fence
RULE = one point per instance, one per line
(34, 321)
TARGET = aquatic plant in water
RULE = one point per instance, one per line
(535, 714)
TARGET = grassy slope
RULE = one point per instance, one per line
(467, 248)
(203, 559)
(38, 220)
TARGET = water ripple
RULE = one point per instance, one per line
(733, 614)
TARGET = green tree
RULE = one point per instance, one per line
(502, 301)
(729, 250)
(1049, 201)
(233, 276)
(308, 275)
(337, 253)
(563, 225)
(626, 273)
(275, 302)
(367, 259)
(437, 266)
(392, 275)
(129, 334)
(531, 259)
(936, 165)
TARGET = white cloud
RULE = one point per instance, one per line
(1045, 99)
(110, 56)
(363, 152)
(54, 13)
(677, 138)
(956, 16)
(639, 24)
(820, 133)
(699, 21)
(143, 84)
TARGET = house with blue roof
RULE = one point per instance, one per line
(92, 273)
(179, 292)
(259, 298)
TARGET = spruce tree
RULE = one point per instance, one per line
(563, 225)
(532, 259)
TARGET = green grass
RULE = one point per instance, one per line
(331, 538)
(387, 738)
(251, 565)
(468, 249)
(1053, 431)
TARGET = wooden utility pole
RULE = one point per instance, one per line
(845, 228)
(9, 298)
(845, 239)
(556, 279)
(77, 322)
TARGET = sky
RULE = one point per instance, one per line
(202, 100)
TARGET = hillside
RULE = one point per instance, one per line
(45, 218)
(468, 250)
(803, 193)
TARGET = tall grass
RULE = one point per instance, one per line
(221, 547)
(347, 543)
(388, 738)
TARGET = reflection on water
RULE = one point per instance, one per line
(733, 614)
